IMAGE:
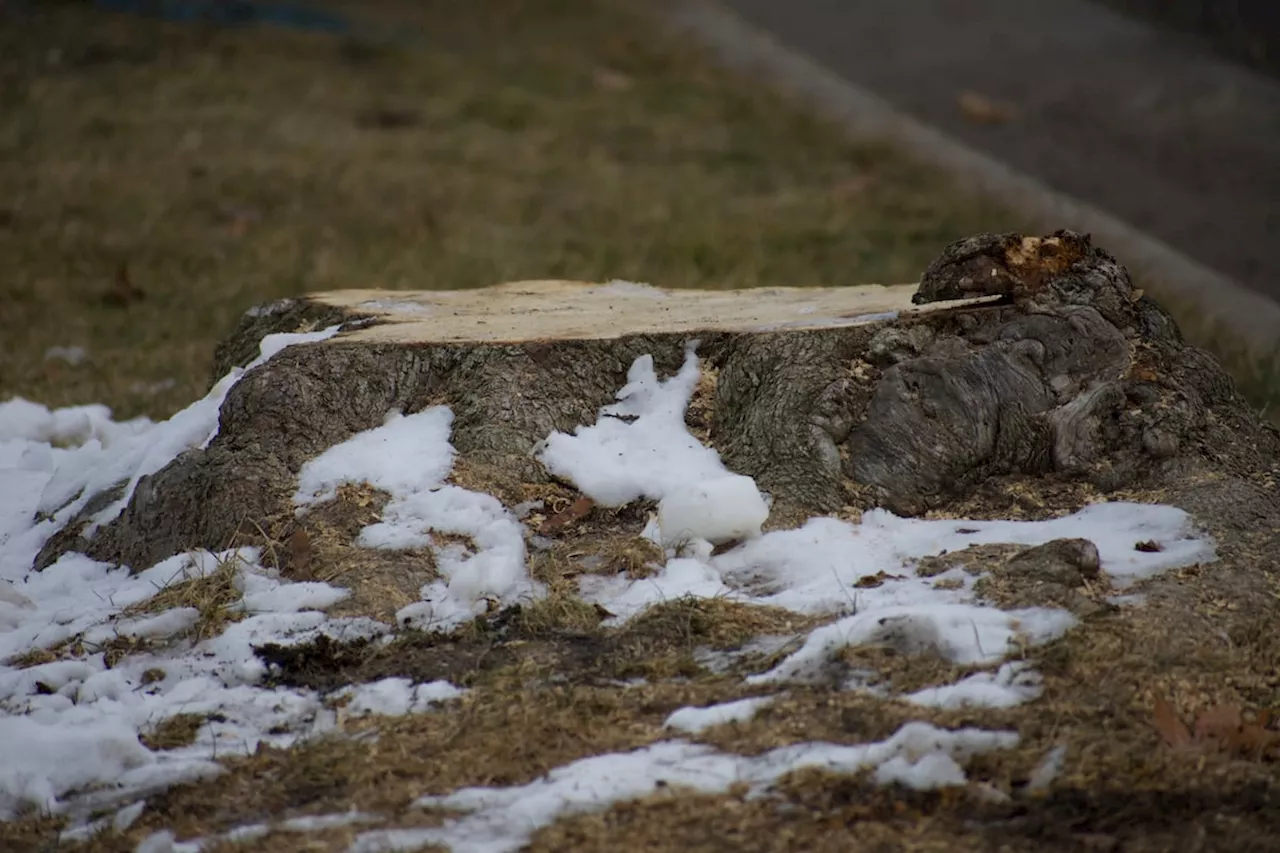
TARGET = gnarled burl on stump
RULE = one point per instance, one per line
(1019, 363)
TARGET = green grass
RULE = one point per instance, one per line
(159, 179)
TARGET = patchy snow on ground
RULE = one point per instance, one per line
(395, 697)
(70, 724)
(410, 457)
(500, 820)
(694, 720)
(1012, 684)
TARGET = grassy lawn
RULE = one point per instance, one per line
(159, 179)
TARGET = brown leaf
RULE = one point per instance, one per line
(1253, 741)
(852, 188)
(980, 109)
(873, 581)
(609, 80)
(300, 555)
(122, 291)
(1217, 725)
(1169, 725)
(576, 511)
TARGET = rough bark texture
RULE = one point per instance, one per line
(1074, 377)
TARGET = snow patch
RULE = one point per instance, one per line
(501, 820)
(638, 447)
(410, 456)
(395, 697)
(1012, 684)
(694, 720)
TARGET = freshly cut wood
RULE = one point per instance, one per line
(1017, 366)
(526, 311)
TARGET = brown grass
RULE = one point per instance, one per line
(214, 596)
(173, 732)
(159, 179)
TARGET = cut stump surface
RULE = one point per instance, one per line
(1053, 370)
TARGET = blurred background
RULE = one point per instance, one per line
(167, 164)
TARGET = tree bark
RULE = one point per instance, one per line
(1017, 363)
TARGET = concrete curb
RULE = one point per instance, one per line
(1253, 318)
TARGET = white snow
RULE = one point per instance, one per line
(72, 355)
(395, 697)
(694, 720)
(56, 461)
(719, 510)
(1047, 770)
(1012, 684)
(959, 633)
(639, 446)
(69, 728)
(621, 287)
(403, 456)
(501, 820)
(410, 457)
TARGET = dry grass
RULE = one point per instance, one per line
(214, 596)
(159, 179)
(174, 732)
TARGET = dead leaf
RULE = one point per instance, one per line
(1217, 724)
(612, 81)
(1150, 546)
(300, 555)
(1169, 725)
(576, 511)
(122, 291)
(852, 188)
(980, 109)
(873, 581)
(725, 547)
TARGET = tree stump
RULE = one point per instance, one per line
(1018, 365)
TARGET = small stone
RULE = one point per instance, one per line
(1068, 562)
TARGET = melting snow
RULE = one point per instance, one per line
(500, 820)
(395, 697)
(694, 720)
(72, 725)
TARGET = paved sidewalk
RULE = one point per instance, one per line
(1121, 115)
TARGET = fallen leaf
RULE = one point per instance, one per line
(725, 547)
(1255, 742)
(873, 581)
(300, 555)
(1169, 725)
(1148, 547)
(612, 81)
(851, 188)
(576, 511)
(122, 291)
(980, 109)
(1218, 724)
